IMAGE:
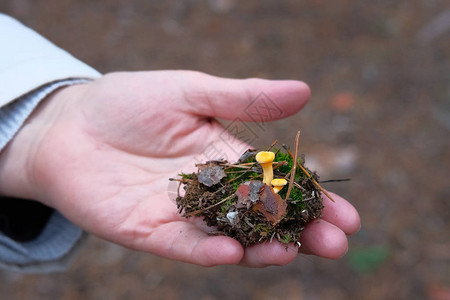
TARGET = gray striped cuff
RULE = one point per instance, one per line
(14, 114)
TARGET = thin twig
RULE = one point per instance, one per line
(211, 206)
(273, 144)
(235, 178)
(219, 190)
(294, 167)
(310, 176)
(238, 166)
(335, 180)
(287, 176)
(241, 164)
(279, 164)
(308, 199)
(182, 180)
(299, 186)
(271, 238)
(236, 172)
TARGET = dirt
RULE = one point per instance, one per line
(233, 199)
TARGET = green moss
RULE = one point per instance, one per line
(262, 228)
(296, 194)
(281, 156)
(186, 176)
(286, 239)
(224, 207)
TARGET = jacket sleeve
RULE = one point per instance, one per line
(33, 238)
(28, 61)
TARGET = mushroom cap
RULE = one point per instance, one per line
(265, 157)
(279, 182)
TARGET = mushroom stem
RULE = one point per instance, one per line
(276, 189)
(267, 173)
(265, 159)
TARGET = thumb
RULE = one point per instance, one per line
(252, 100)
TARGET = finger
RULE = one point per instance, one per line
(341, 213)
(253, 99)
(269, 253)
(323, 239)
(185, 242)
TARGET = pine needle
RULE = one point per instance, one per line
(294, 166)
(309, 175)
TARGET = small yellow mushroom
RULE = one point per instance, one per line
(278, 184)
(265, 159)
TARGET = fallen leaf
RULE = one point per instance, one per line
(211, 175)
(271, 205)
(248, 193)
(255, 190)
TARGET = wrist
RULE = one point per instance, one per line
(19, 171)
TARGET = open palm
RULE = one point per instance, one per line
(106, 150)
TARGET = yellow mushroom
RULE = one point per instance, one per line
(278, 184)
(265, 159)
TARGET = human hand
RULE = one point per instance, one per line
(101, 153)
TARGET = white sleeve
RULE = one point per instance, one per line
(28, 61)
(31, 67)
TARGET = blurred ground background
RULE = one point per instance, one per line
(379, 113)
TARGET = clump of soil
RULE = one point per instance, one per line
(232, 198)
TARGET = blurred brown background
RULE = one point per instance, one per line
(379, 113)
